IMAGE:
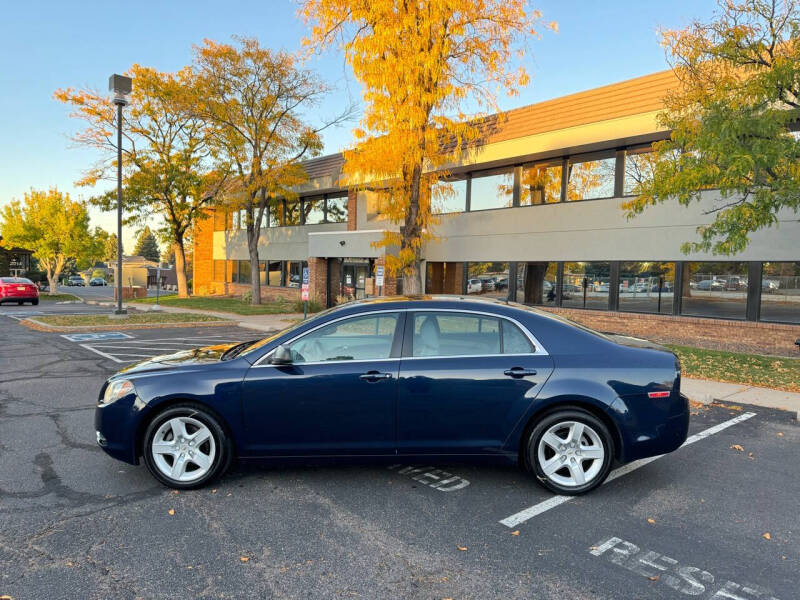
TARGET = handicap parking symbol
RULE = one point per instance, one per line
(95, 337)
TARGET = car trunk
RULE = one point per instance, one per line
(18, 290)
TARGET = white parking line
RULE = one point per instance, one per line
(537, 509)
(126, 351)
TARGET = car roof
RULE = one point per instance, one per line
(434, 301)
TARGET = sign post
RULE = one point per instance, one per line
(379, 280)
(304, 293)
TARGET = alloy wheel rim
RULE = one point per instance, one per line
(570, 454)
(183, 449)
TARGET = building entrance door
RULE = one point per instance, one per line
(354, 278)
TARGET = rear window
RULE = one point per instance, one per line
(15, 280)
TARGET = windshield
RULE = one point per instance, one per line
(267, 340)
(15, 280)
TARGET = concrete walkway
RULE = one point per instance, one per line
(267, 323)
(705, 391)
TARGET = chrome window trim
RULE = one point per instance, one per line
(539, 350)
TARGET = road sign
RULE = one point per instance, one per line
(304, 294)
(305, 277)
(379, 276)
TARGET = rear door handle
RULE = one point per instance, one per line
(375, 376)
(519, 372)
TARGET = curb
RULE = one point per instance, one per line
(37, 325)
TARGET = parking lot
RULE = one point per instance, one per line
(717, 519)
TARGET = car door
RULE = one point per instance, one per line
(465, 381)
(338, 395)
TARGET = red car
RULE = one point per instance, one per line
(19, 290)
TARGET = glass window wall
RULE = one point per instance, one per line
(591, 177)
(540, 184)
(492, 190)
(586, 285)
(715, 289)
(646, 286)
(780, 292)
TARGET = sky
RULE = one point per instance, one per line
(47, 45)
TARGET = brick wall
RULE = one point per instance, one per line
(203, 265)
(352, 210)
(715, 334)
(318, 280)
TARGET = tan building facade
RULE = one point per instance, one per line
(534, 215)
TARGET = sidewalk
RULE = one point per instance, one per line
(268, 323)
(705, 391)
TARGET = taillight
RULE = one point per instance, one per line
(660, 394)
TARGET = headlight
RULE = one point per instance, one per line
(118, 389)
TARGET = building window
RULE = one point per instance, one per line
(492, 190)
(591, 177)
(715, 289)
(780, 292)
(314, 210)
(244, 271)
(638, 168)
(274, 273)
(291, 214)
(488, 279)
(377, 201)
(294, 273)
(646, 286)
(449, 196)
(336, 209)
(275, 214)
(443, 277)
(586, 285)
(540, 184)
(241, 219)
(262, 272)
(536, 283)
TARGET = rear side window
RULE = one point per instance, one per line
(463, 334)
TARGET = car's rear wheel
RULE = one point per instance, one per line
(570, 451)
(185, 447)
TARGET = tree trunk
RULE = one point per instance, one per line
(52, 279)
(411, 232)
(255, 275)
(534, 282)
(686, 279)
(180, 267)
(53, 270)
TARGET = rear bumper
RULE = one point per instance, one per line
(27, 298)
(651, 427)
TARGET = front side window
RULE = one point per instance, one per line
(368, 337)
(462, 334)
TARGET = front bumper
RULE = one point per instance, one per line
(116, 426)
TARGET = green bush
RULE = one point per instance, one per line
(247, 297)
(313, 306)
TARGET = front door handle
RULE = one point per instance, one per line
(375, 376)
(519, 372)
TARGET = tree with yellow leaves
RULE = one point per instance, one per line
(170, 169)
(255, 101)
(420, 62)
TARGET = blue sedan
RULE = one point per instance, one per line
(403, 379)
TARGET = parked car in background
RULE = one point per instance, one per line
(19, 290)
(474, 286)
(736, 283)
(415, 380)
(709, 285)
(76, 280)
(666, 287)
(487, 283)
(640, 287)
(501, 283)
(770, 285)
(95, 281)
(603, 286)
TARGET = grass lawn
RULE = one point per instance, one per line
(231, 304)
(43, 296)
(132, 319)
(753, 369)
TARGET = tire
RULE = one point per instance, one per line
(201, 463)
(579, 473)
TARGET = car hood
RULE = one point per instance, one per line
(184, 358)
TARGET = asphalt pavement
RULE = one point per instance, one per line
(716, 519)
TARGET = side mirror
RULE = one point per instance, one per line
(281, 356)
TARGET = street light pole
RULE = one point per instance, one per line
(121, 86)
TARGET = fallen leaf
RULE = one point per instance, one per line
(653, 578)
(751, 456)
(4, 597)
(462, 548)
(171, 511)
(780, 434)
(651, 521)
(175, 492)
(767, 536)
(213, 491)
(515, 532)
(244, 558)
(69, 563)
(737, 447)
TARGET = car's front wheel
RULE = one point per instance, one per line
(185, 447)
(570, 451)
